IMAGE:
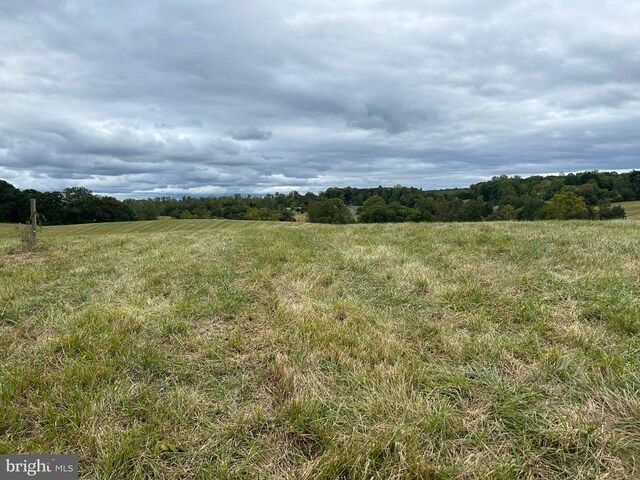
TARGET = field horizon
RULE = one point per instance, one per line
(8, 230)
(249, 349)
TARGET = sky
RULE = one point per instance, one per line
(207, 97)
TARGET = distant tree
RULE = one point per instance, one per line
(547, 188)
(634, 184)
(262, 213)
(79, 205)
(286, 215)
(530, 207)
(400, 213)
(10, 199)
(374, 210)
(329, 210)
(475, 210)
(564, 206)
(607, 212)
(449, 210)
(235, 211)
(50, 207)
(427, 208)
(201, 211)
(143, 209)
(504, 212)
(590, 192)
(110, 209)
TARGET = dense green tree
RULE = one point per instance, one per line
(110, 209)
(262, 213)
(375, 209)
(564, 206)
(475, 210)
(607, 212)
(634, 183)
(10, 198)
(449, 210)
(201, 211)
(50, 207)
(530, 205)
(74, 205)
(143, 209)
(505, 212)
(427, 208)
(286, 215)
(329, 210)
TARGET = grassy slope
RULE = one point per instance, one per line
(236, 349)
(632, 209)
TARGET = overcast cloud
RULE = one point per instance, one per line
(201, 97)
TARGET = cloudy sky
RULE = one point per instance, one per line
(158, 97)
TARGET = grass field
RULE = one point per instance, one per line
(221, 349)
(632, 209)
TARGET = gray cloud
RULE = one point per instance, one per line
(251, 133)
(167, 96)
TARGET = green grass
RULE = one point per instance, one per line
(221, 349)
(632, 209)
(119, 228)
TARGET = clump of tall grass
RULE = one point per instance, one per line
(28, 241)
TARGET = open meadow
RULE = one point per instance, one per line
(229, 349)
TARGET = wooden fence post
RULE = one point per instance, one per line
(34, 219)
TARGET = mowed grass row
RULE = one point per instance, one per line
(9, 231)
(265, 350)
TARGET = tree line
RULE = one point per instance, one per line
(586, 195)
(72, 205)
